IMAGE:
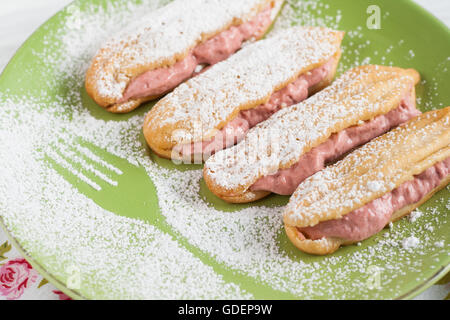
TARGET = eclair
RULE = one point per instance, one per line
(375, 185)
(216, 109)
(156, 53)
(296, 142)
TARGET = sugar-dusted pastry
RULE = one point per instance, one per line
(216, 109)
(156, 53)
(377, 184)
(278, 154)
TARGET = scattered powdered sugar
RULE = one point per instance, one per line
(300, 12)
(120, 257)
(375, 186)
(343, 187)
(65, 229)
(440, 244)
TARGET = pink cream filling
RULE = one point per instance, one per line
(374, 216)
(286, 181)
(216, 49)
(235, 131)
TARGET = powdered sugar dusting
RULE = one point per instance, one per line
(410, 243)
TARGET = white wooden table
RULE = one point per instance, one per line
(19, 18)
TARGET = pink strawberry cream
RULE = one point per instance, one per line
(374, 216)
(216, 49)
(286, 181)
(236, 130)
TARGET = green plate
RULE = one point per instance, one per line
(154, 230)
